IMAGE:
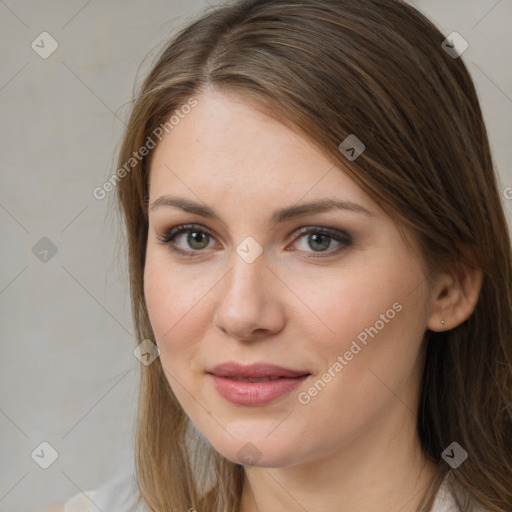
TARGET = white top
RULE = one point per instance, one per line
(119, 495)
(116, 495)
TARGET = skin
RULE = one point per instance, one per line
(354, 446)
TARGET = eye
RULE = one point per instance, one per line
(320, 240)
(191, 237)
(187, 239)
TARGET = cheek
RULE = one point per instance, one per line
(173, 299)
(376, 316)
(174, 306)
(344, 304)
(369, 364)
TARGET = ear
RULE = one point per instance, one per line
(454, 295)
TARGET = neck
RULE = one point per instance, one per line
(382, 468)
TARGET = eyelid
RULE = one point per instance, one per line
(168, 235)
(335, 234)
(340, 236)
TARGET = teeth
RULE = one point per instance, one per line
(260, 379)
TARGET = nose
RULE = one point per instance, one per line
(249, 307)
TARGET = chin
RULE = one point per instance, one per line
(258, 450)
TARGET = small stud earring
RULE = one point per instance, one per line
(442, 319)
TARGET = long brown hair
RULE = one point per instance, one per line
(328, 69)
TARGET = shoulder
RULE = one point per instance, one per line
(80, 502)
(120, 493)
(445, 500)
(54, 508)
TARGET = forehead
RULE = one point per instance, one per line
(226, 147)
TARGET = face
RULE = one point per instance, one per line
(332, 297)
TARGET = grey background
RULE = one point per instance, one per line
(68, 375)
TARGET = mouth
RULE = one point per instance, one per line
(267, 371)
(256, 384)
(255, 379)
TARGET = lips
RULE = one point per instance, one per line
(259, 371)
(254, 379)
(256, 384)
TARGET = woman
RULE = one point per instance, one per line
(318, 250)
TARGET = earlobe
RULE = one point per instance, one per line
(455, 296)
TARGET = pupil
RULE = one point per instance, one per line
(315, 237)
(322, 241)
(192, 241)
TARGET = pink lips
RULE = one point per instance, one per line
(256, 384)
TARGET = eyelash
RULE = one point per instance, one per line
(167, 238)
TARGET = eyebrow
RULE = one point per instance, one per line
(278, 216)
